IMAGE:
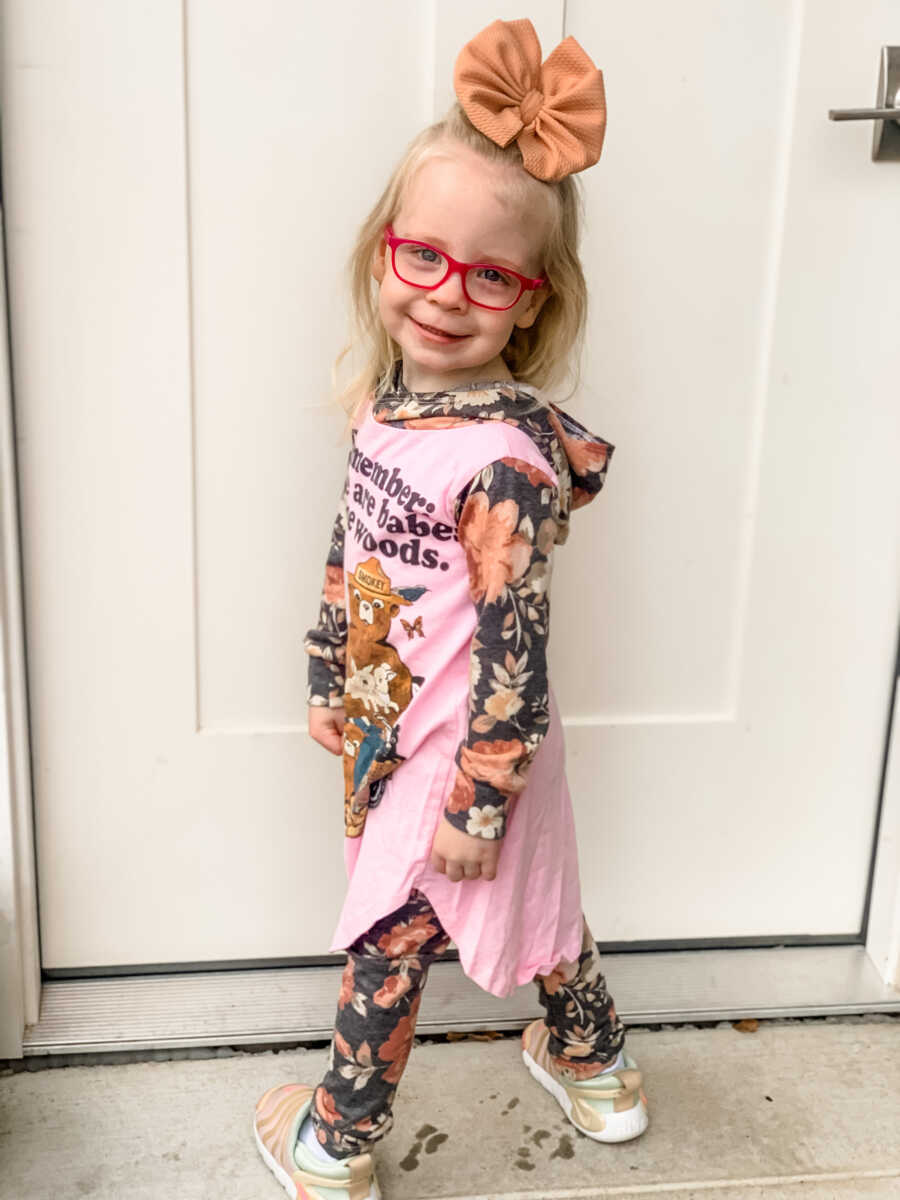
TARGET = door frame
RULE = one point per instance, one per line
(20, 958)
(881, 915)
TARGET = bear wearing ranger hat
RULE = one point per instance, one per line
(378, 689)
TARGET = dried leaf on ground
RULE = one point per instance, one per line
(488, 1036)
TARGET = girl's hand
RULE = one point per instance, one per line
(459, 856)
(326, 726)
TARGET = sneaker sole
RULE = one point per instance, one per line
(285, 1180)
(277, 1170)
(620, 1127)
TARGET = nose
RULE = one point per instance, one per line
(450, 293)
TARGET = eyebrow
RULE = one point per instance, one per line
(487, 259)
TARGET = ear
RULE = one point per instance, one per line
(378, 260)
(529, 313)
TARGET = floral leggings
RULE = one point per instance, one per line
(381, 990)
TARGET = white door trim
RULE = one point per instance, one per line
(883, 933)
(20, 961)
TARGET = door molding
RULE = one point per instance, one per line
(882, 920)
(20, 963)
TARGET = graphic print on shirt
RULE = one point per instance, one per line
(414, 627)
(378, 690)
(394, 523)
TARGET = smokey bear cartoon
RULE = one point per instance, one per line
(378, 689)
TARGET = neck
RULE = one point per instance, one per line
(420, 379)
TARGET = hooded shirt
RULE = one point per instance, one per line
(508, 517)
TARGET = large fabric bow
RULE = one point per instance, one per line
(556, 112)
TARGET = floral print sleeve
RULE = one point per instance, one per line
(326, 643)
(507, 524)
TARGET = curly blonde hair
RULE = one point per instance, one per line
(544, 354)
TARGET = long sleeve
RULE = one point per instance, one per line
(326, 642)
(507, 526)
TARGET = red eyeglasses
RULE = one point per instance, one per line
(486, 285)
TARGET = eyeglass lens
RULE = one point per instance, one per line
(424, 266)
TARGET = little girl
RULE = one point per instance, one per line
(428, 667)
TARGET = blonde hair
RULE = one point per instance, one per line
(545, 353)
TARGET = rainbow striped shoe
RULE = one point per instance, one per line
(607, 1108)
(276, 1124)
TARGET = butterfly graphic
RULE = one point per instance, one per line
(414, 627)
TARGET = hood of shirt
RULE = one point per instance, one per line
(579, 458)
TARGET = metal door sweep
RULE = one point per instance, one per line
(295, 1004)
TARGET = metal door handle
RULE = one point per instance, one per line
(864, 114)
(886, 114)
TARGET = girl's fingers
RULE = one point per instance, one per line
(439, 864)
(331, 740)
(326, 726)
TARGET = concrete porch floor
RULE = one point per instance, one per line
(798, 1108)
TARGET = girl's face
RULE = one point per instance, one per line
(457, 204)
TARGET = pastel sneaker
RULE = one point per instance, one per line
(607, 1108)
(276, 1125)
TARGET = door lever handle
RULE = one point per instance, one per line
(885, 114)
(864, 114)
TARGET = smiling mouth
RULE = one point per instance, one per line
(439, 332)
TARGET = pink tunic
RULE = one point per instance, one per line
(528, 918)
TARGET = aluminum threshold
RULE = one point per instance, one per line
(297, 1004)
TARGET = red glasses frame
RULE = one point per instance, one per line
(460, 268)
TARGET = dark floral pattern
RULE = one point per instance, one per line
(381, 990)
(581, 1015)
(579, 458)
(507, 528)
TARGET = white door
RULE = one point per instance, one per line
(180, 200)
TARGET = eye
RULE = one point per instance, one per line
(378, 604)
(496, 278)
(426, 254)
(356, 593)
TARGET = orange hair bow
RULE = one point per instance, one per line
(556, 112)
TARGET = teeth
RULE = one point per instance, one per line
(432, 329)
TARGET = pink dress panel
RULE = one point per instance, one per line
(528, 918)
